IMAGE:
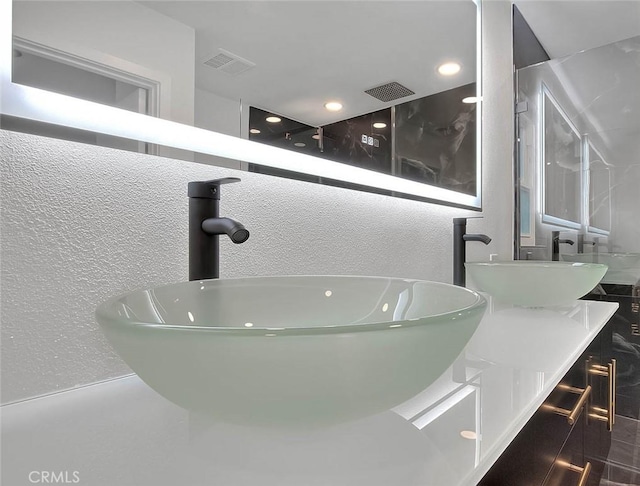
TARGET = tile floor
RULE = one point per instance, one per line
(623, 463)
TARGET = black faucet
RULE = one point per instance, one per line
(555, 245)
(205, 226)
(460, 237)
(582, 243)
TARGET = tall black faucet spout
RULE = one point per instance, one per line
(460, 237)
(206, 226)
(556, 241)
(476, 237)
(232, 228)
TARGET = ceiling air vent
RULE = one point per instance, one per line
(229, 63)
(389, 92)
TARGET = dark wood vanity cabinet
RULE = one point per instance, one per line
(567, 440)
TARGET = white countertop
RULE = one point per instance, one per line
(121, 433)
(512, 363)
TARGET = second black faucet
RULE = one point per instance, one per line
(460, 238)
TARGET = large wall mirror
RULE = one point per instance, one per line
(249, 84)
(578, 149)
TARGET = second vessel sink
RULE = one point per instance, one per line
(291, 351)
(615, 261)
(536, 283)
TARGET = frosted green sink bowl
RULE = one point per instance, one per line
(536, 283)
(615, 261)
(291, 351)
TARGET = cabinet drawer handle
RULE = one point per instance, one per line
(573, 414)
(584, 471)
(612, 391)
(609, 414)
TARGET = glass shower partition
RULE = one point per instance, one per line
(578, 182)
(578, 159)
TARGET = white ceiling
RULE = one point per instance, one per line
(604, 82)
(565, 27)
(307, 52)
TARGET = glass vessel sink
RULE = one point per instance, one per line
(615, 261)
(536, 283)
(291, 351)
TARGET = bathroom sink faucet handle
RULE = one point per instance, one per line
(209, 189)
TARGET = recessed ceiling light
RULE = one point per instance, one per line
(300, 144)
(333, 106)
(379, 125)
(315, 137)
(449, 68)
(256, 131)
(470, 99)
(468, 434)
(273, 119)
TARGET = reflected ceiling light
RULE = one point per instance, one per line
(470, 99)
(468, 434)
(315, 137)
(333, 105)
(190, 316)
(248, 324)
(254, 130)
(328, 293)
(300, 144)
(273, 119)
(449, 68)
(385, 308)
(379, 125)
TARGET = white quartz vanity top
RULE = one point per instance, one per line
(121, 433)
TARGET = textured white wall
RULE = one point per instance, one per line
(82, 223)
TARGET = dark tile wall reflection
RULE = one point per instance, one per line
(435, 140)
(358, 142)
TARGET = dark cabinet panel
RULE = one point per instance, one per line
(569, 465)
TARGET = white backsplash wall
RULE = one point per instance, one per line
(82, 223)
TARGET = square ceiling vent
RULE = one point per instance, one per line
(389, 92)
(229, 63)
